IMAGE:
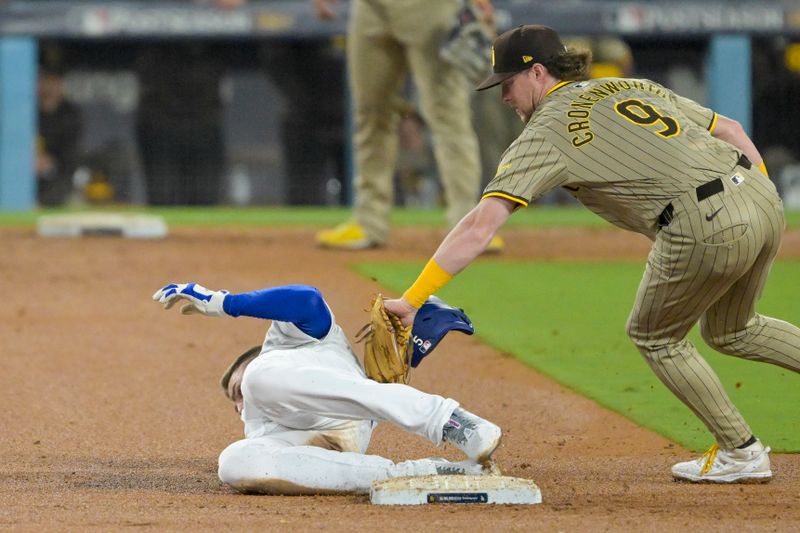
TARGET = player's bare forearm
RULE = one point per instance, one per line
(472, 234)
(733, 133)
(461, 246)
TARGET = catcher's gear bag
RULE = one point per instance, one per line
(432, 322)
(468, 45)
(385, 345)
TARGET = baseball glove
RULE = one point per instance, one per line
(468, 45)
(386, 358)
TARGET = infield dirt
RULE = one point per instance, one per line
(112, 417)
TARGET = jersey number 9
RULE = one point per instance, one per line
(643, 114)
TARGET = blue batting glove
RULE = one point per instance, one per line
(199, 299)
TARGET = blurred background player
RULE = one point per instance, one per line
(310, 74)
(58, 141)
(308, 408)
(386, 40)
(776, 95)
(179, 121)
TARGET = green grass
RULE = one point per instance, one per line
(567, 320)
(545, 216)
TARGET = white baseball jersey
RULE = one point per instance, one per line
(286, 348)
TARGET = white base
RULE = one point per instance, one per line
(455, 489)
(102, 224)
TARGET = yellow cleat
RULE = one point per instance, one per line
(495, 246)
(345, 236)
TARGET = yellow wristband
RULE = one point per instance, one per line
(763, 168)
(431, 279)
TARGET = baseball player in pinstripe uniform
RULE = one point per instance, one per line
(386, 39)
(649, 161)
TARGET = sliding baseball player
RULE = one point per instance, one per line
(309, 409)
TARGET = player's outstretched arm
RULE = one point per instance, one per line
(462, 245)
(301, 305)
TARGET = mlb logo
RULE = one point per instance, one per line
(737, 179)
(426, 346)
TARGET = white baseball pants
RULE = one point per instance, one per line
(308, 419)
(273, 465)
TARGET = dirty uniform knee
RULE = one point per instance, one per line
(233, 466)
(249, 466)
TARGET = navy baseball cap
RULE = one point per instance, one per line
(518, 49)
(432, 322)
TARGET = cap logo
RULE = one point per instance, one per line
(424, 344)
(527, 59)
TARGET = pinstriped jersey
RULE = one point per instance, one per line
(623, 147)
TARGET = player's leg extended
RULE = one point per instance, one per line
(683, 277)
(283, 464)
(377, 68)
(444, 98)
(731, 325)
(297, 396)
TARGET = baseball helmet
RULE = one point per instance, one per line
(432, 322)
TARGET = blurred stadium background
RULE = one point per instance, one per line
(253, 97)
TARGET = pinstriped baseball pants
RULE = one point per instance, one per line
(386, 40)
(710, 264)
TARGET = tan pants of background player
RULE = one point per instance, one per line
(714, 271)
(386, 40)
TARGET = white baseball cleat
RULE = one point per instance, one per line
(476, 437)
(745, 465)
(460, 468)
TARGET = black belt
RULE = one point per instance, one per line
(744, 162)
(704, 191)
